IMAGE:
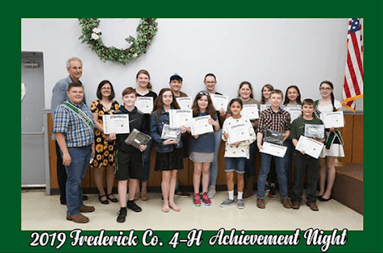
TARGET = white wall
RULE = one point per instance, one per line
(277, 51)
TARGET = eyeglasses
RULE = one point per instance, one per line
(204, 93)
(325, 88)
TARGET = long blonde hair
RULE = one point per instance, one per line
(145, 72)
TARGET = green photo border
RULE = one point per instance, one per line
(12, 239)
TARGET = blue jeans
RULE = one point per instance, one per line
(146, 157)
(289, 159)
(250, 163)
(280, 166)
(76, 172)
(238, 162)
(214, 165)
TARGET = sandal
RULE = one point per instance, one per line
(144, 197)
(105, 202)
(111, 199)
(78, 218)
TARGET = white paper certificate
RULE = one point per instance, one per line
(250, 111)
(118, 124)
(185, 102)
(200, 125)
(311, 147)
(264, 107)
(332, 119)
(144, 104)
(294, 112)
(273, 149)
(180, 117)
(238, 132)
(219, 101)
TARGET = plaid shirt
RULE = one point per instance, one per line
(276, 121)
(76, 132)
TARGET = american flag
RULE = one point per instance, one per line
(353, 77)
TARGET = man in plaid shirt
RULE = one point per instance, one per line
(73, 126)
(276, 119)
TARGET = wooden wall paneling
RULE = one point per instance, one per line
(221, 175)
(347, 136)
(52, 155)
(154, 176)
(357, 141)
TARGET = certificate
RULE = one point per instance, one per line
(169, 132)
(185, 102)
(144, 104)
(273, 149)
(250, 111)
(238, 132)
(311, 147)
(118, 123)
(200, 125)
(180, 117)
(264, 107)
(316, 131)
(219, 101)
(273, 137)
(137, 138)
(332, 119)
(295, 112)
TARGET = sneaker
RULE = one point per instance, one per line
(272, 192)
(227, 202)
(122, 214)
(240, 203)
(267, 187)
(132, 206)
(211, 192)
(205, 199)
(197, 200)
(286, 203)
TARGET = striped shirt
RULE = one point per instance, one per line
(77, 133)
(276, 121)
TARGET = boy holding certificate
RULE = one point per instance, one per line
(302, 161)
(275, 119)
(129, 159)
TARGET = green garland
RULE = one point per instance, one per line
(91, 35)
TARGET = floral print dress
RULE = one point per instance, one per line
(105, 152)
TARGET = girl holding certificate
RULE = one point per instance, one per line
(334, 143)
(236, 152)
(245, 93)
(105, 152)
(144, 89)
(292, 101)
(202, 147)
(169, 158)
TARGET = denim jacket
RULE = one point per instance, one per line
(156, 131)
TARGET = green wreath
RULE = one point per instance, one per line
(92, 35)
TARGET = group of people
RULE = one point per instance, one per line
(80, 139)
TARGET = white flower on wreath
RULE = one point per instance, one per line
(95, 36)
(96, 30)
(135, 55)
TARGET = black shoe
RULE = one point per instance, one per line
(122, 214)
(105, 202)
(113, 200)
(63, 201)
(84, 197)
(323, 199)
(272, 192)
(132, 206)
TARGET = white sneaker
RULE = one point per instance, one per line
(211, 192)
